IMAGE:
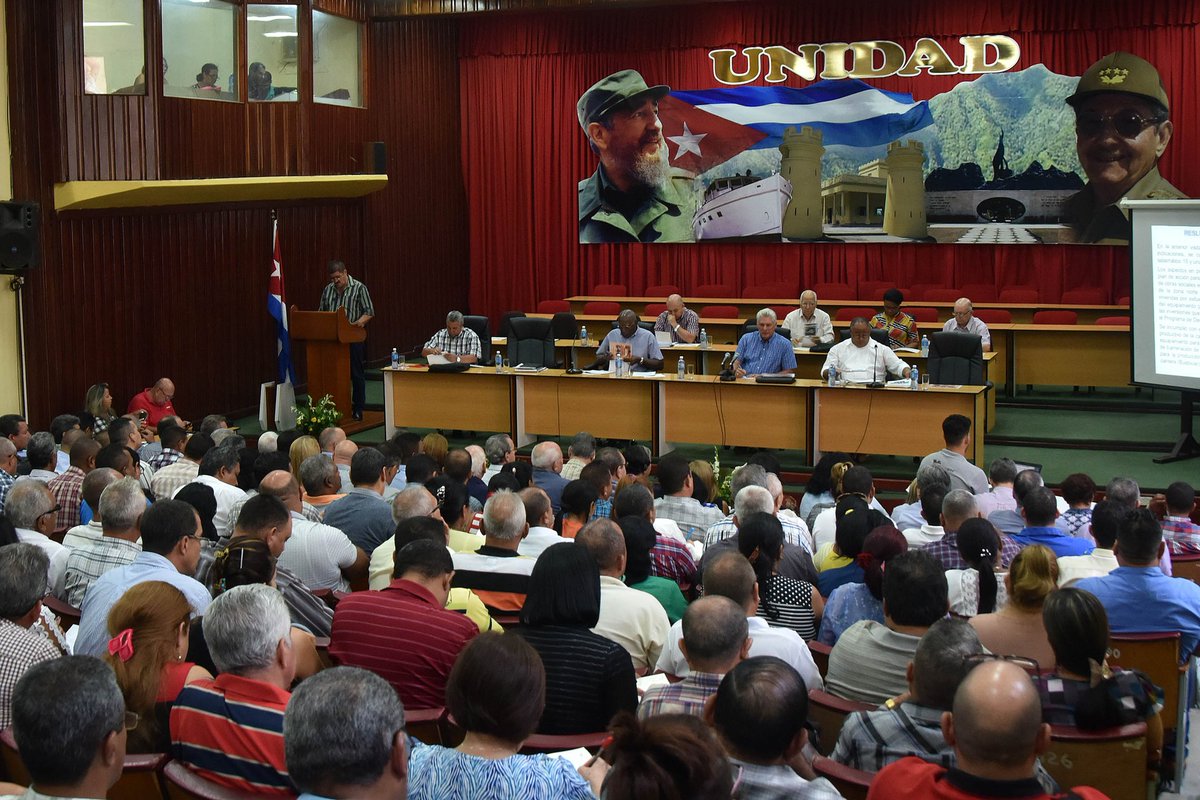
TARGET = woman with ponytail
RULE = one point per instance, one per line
(852, 602)
(1084, 691)
(783, 602)
(149, 627)
(1017, 628)
(976, 589)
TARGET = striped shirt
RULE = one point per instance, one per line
(588, 678)
(230, 731)
(901, 329)
(671, 559)
(173, 477)
(88, 563)
(500, 577)
(465, 344)
(402, 634)
(166, 458)
(686, 697)
(762, 358)
(790, 606)
(689, 320)
(354, 298)
(692, 517)
(795, 532)
(68, 491)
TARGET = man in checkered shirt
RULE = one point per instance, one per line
(345, 292)
(456, 342)
(121, 506)
(23, 570)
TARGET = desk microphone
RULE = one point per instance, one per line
(574, 368)
(875, 382)
(726, 372)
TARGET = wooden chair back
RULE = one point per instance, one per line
(820, 653)
(545, 743)
(1157, 655)
(424, 724)
(828, 713)
(183, 784)
(68, 615)
(13, 765)
(1186, 566)
(140, 779)
(1112, 760)
(853, 784)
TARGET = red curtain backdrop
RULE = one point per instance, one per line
(524, 153)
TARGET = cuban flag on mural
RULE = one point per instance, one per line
(710, 126)
(285, 389)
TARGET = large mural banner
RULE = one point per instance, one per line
(1016, 156)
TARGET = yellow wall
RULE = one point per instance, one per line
(10, 354)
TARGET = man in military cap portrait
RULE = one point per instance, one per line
(634, 195)
(1122, 127)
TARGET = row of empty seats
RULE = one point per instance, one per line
(870, 290)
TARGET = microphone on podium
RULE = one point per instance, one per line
(726, 372)
(875, 382)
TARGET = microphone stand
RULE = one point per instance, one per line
(876, 383)
(726, 372)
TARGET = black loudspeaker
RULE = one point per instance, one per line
(18, 236)
(375, 158)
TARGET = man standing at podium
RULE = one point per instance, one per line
(345, 292)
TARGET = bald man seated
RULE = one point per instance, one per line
(997, 733)
(680, 321)
(156, 401)
(965, 321)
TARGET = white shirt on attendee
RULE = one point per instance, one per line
(825, 525)
(318, 553)
(83, 535)
(807, 332)
(975, 325)
(229, 499)
(43, 474)
(1000, 498)
(783, 643)
(1094, 564)
(538, 540)
(633, 619)
(669, 528)
(926, 534)
(863, 364)
(64, 463)
(58, 554)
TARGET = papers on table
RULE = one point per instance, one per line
(899, 383)
(434, 358)
(528, 368)
(645, 374)
(578, 757)
(595, 372)
(647, 681)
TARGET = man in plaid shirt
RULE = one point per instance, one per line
(716, 637)
(121, 506)
(8, 468)
(68, 487)
(677, 502)
(342, 291)
(172, 438)
(456, 342)
(23, 570)
(1181, 534)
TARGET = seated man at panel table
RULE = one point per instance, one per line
(764, 352)
(681, 321)
(861, 359)
(455, 342)
(901, 328)
(964, 321)
(637, 346)
(808, 324)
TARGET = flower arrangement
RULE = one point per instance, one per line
(723, 481)
(312, 418)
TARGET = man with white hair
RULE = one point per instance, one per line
(8, 467)
(413, 501)
(795, 531)
(268, 442)
(582, 450)
(230, 729)
(764, 352)
(121, 507)
(31, 509)
(547, 459)
(499, 450)
(497, 572)
(476, 488)
(754, 499)
(22, 587)
(455, 342)
(808, 324)
(964, 321)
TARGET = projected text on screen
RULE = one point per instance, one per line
(1176, 256)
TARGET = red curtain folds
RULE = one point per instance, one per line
(523, 152)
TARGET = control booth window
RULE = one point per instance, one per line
(337, 60)
(114, 47)
(199, 47)
(271, 53)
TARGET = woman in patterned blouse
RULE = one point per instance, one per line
(901, 328)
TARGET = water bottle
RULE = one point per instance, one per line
(914, 379)
(832, 377)
(619, 369)
(499, 362)
(583, 340)
(924, 345)
(395, 358)
(703, 339)
(680, 369)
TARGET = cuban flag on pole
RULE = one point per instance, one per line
(710, 126)
(285, 389)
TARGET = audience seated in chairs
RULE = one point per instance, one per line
(22, 587)
(667, 756)
(1017, 628)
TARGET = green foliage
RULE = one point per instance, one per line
(312, 418)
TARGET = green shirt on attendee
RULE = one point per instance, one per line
(665, 592)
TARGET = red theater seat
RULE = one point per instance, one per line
(979, 292)
(1123, 301)
(1085, 297)
(769, 291)
(833, 291)
(602, 307)
(723, 312)
(849, 313)
(920, 291)
(654, 309)
(994, 316)
(1022, 295)
(662, 290)
(609, 290)
(941, 296)
(873, 290)
(712, 290)
(1121, 320)
(923, 314)
(553, 306)
(1056, 317)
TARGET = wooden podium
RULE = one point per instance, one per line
(326, 336)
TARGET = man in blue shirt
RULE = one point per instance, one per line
(362, 514)
(171, 534)
(1138, 597)
(1039, 510)
(638, 346)
(764, 352)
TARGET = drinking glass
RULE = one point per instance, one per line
(691, 372)
(924, 381)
